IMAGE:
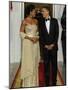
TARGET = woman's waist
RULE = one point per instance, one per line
(31, 34)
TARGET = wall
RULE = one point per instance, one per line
(15, 43)
(57, 13)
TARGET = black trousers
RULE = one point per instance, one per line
(64, 58)
(64, 50)
(50, 58)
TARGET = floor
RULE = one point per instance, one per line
(12, 72)
(15, 75)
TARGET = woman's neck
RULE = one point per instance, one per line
(30, 17)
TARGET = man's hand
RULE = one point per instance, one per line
(49, 47)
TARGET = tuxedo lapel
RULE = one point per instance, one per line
(45, 28)
(50, 26)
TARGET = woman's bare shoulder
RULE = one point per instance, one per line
(36, 21)
(24, 21)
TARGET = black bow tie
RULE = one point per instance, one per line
(47, 19)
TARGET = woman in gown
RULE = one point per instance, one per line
(30, 49)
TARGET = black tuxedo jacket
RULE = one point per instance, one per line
(52, 37)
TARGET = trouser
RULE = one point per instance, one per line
(64, 58)
(64, 50)
(50, 57)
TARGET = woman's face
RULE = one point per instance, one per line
(33, 13)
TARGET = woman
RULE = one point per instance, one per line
(30, 48)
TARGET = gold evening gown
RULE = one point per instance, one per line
(30, 57)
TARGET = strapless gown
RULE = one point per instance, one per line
(30, 57)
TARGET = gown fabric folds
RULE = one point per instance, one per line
(30, 57)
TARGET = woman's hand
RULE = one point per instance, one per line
(33, 39)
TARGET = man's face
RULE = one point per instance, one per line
(45, 12)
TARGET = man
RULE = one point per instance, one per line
(39, 17)
(49, 31)
(63, 38)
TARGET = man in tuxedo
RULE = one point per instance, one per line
(48, 31)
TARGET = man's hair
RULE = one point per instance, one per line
(46, 7)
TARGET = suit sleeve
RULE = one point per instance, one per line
(41, 38)
(56, 32)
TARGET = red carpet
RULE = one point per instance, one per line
(41, 75)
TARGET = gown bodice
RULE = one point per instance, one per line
(31, 30)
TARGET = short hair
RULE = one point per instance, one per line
(28, 9)
(49, 9)
(46, 7)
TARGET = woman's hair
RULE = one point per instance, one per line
(28, 9)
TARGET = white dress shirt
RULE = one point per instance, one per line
(47, 23)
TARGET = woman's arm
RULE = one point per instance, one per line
(37, 33)
(22, 31)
